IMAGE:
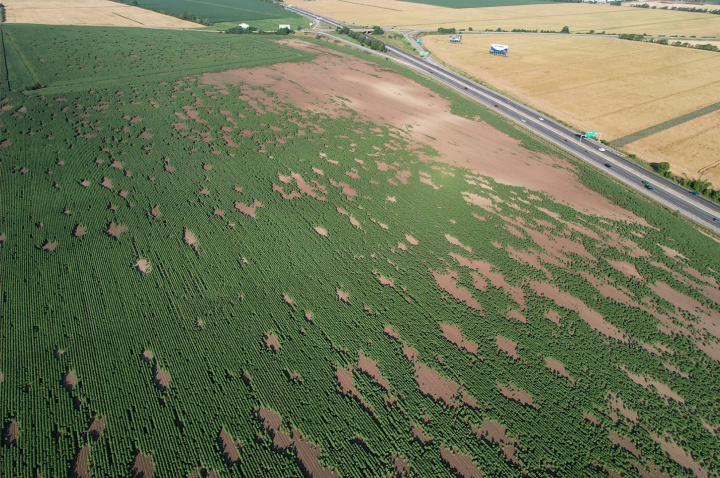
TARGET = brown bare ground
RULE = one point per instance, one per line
(436, 386)
(96, 428)
(79, 231)
(391, 332)
(553, 317)
(343, 296)
(419, 434)
(369, 367)
(507, 346)
(143, 266)
(594, 319)
(80, 467)
(650, 383)
(556, 366)
(346, 382)
(155, 211)
(402, 467)
(230, 449)
(248, 209)
(49, 246)
(460, 463)
(496, 278)
(308, 455)
(142, 466)
(321, 230)
(11, 433)
(271, 341)
(115, 230)
(395, 100)
(147, 356)
(511, 392)
(106, 183)
(454, 335)
(448, 283)
(679, 455)
(189, 238)
(162, 378)
(70, 380)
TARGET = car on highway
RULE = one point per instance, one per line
(716, 219)
(601, 149)
(694, 193)
(541, 119)
(608, 165)
(649, 186)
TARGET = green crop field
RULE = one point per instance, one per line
(204, 279)
(220, 10)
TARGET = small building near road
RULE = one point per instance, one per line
(284, 26)
(244, 26)
(455, 38)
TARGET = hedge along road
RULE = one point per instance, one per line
(671, 195)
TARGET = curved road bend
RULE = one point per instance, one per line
(668, 193)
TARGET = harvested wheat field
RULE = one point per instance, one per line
(509, 312)
(88, 12)
(579, 17)
(612, 86)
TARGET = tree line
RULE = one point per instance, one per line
(372, 43)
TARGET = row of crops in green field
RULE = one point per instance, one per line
(149, 53)
(152, 155)
(219, 10)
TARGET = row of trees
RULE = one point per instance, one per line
(372, 43)
(698, 185)
(665, 41)
(680, 9)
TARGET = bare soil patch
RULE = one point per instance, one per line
(511, 392)
(448, 282)
(436, 386)
(369, 367)
(114, 230)
(80, 467)
(393, 99)
(143, 266)
(343, 296)
(70, 380)
(142, 466)
(155, 211)
(11, 433)
(189, 238)
(248, 209)
(79, 231)
(96, 428)
(507, 346)
(106, 183)
(49, 246)
(230, 449)
(460, 463)
(454, 335)
(271, 341)
(650, 383)
(162, 378)
(557, 367)
(321, 230)
(626, 268)
(419, 434)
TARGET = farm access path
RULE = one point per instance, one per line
(671, 195)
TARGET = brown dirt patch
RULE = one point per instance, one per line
(391, 332)
(370, 368)
(455, 241)
(553, 317)
(402, 467)
(679, 455)
(147, 356)
(80, 467)
(308, 455)
(678, 299)
(271, 341)
(419, 434)
(511, 392)
(411, 240)
(230, 449)
(346, 382)
(496, 278)
(626, 268)
(343, 296)
(393, 99)
(49, 246)
(435, 386)
(106, 183)
(70, 380)
(507, 346)
(79, 231)
(143, 266)
(189, 238)
(557, 367)
(594, 319)
(142, 466)
(460, 463)
(145, 135)
(454, 335)
(114, 230)
(96, 428)
(162, 378)
(321, 230)
(11, 433)
(652, 384)
(169, 169)
(248, 209)
(448, 283)
(155, 211)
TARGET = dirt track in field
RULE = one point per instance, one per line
(88, 13)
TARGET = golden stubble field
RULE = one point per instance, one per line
(579, 17)
(616, 87)
(87, 12)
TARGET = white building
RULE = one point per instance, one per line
(284, 26)
(244, 26)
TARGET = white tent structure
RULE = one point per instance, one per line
(497, 49)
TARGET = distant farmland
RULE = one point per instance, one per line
(612, 86)
(579, 17)
(220, 10)
(289, 269)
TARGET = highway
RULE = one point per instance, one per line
(675, 197)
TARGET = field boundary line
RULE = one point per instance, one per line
(127, 18)
(5, 74)
(644, 133)
(30, 71)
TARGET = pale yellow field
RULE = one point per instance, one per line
(579, 17)
(87, 12)
(692, 148)
(612, 86)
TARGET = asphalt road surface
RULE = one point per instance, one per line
(697, 208)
